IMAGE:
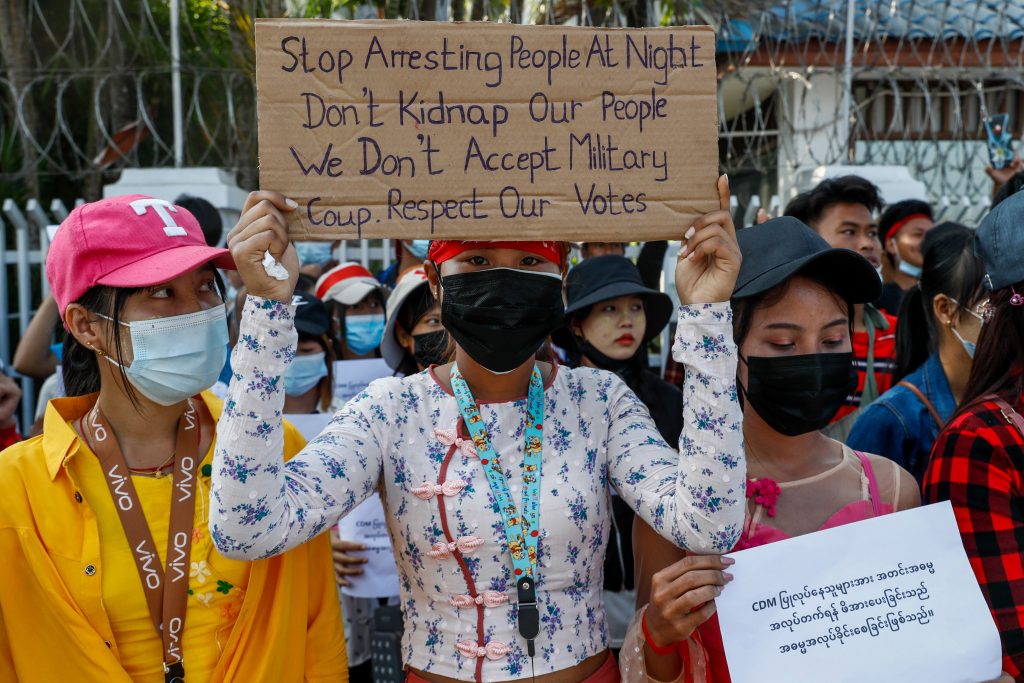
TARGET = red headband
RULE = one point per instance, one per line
(895, 227)
(442, 250)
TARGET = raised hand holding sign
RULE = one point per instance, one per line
(709, 260)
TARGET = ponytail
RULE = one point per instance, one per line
(950, 268)
(913, 333)
(79, 369)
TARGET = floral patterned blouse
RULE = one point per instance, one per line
(405, 438)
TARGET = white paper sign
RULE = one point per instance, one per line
(352, 376)
(891, 598)
(309, 425)
(365, 524)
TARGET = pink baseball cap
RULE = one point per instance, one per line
(126, 241)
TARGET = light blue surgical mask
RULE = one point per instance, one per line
(176, 357)
(313, 253)
(363, 333)
(910, 269)
(969, 346)
(418, 248)
(304, 373)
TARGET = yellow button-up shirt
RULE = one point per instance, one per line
(53, 622)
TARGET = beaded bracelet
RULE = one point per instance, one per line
(661, 651)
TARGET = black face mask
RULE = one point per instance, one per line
(601, 360)
(501, 316)
(430, 348)
(799, 394)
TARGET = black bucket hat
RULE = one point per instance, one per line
(783, 247)
(310, 315)
(608, 277)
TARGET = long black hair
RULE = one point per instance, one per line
(1000, 351)
(951, 268)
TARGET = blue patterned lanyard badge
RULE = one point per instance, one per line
(522, 531)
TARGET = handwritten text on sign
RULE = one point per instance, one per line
(409, 129)
(888, 599)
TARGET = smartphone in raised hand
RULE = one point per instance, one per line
(999, 140)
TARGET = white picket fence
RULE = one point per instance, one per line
(32, 226)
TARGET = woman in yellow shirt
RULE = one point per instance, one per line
(109, 572)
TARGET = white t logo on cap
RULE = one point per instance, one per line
(163, 209)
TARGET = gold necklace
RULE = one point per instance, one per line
(157, 472)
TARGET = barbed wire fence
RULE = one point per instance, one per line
(85, 85)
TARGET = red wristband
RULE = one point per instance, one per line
(661, 651)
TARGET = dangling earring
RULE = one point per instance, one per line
(99, 352)
(1016, 299)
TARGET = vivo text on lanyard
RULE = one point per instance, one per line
(472, 131)
(166, 591)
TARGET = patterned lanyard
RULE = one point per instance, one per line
(522, 532)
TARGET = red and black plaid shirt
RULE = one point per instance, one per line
(978, 464)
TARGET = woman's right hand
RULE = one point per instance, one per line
(262, 228)
(683, 596)
(345, 564)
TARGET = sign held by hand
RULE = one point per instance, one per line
(433, 130)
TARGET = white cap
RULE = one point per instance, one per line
(347, 284)
(407, 284)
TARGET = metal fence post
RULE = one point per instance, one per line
(21, 242)
(5, 313)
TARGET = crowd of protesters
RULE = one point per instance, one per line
(163, 520)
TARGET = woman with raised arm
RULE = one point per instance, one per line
(494, 469)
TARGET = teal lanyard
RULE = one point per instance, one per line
(522, 531)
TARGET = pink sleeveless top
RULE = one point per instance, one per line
(765, 492)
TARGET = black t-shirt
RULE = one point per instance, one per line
(891, 298)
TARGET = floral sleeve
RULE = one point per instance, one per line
(694, 498)
(263, 505)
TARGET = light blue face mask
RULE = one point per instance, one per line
(910, 269)
(304, 373)
(176, 357)
(969, 346)
(363, 333)
(313, 253)
(418, 248)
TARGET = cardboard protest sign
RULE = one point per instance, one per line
(891, 598)
(487, 131)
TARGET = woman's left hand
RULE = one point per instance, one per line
(709, 260)
(1005, 678)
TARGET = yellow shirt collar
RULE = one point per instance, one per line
(60, 440)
